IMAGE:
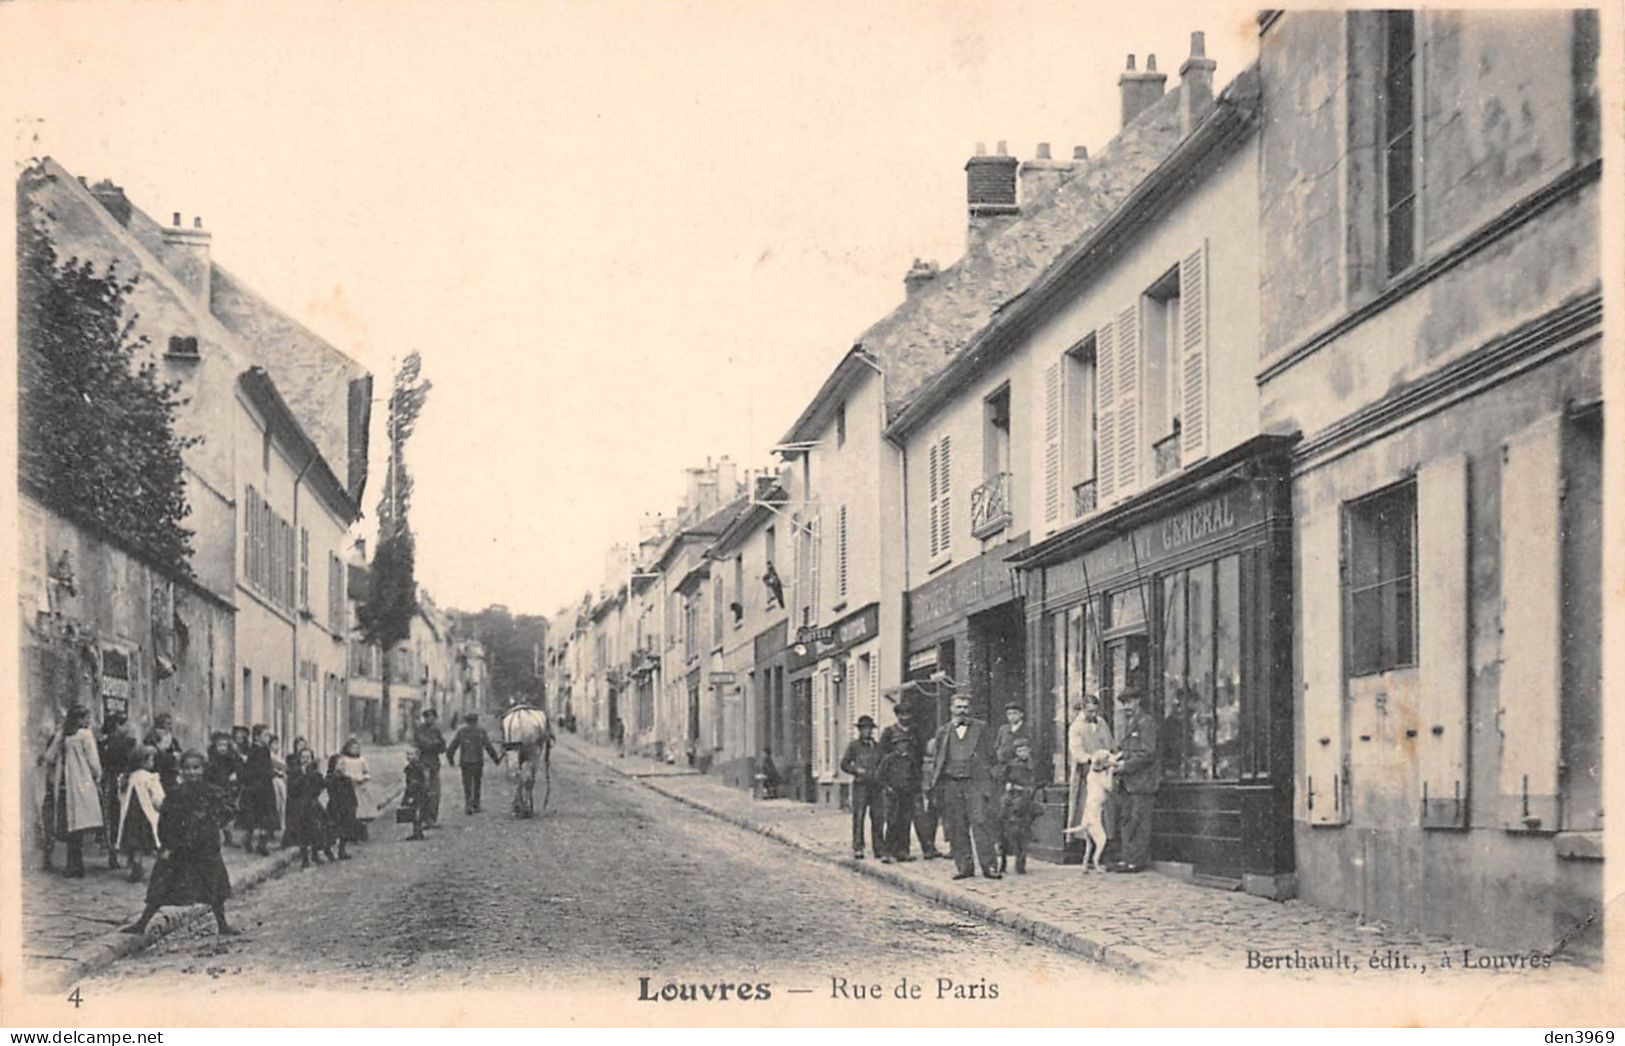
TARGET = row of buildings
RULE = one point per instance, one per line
(1284, 407)
(265, 629)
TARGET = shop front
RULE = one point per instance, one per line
(1183, 594)
(965, 635)
(839, 662)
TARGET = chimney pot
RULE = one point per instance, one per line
(1150, 63)
(981, 148)
(177, 219)
(1043, 150)
(1198, 44)
(1131, 63)
(1080, 152)
(197, 223)
(1002, 150)
(83, 182)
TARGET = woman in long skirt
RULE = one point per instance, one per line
(75, 769)
(354, 766)
(257, 806)
(279, 786)
(190, 869)
(139, 804)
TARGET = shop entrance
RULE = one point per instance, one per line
(998, 661)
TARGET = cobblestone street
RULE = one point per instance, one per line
(613, 883)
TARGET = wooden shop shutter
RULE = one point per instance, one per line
(1442, 598)
(1052, 443)
(1193, 365)
(1105, 415)
(1128, 399)
(1321, 788)
(1531, 627)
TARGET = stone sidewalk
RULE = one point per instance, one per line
(70, 926)
(1148, 925)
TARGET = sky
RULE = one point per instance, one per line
(625, 236)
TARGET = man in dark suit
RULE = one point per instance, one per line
(962, 775)
(862, 761)
(1138, 776)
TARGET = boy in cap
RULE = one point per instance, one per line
(468, 749)
(1016, 808)
(862, 761)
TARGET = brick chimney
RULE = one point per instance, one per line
(112, 197)
(1041, 175)
(990, 192)
(1140, 90)
(919, 275)
(186, 253)
(1195, 84)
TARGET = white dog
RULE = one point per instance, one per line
(1103, 765)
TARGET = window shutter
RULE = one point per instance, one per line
(840, 553)
(1193, 414)
(1052, 442)
(1106, 415)
(248, 532)
(816, 548)
(304, 569)
(945, 488)
(933, 472)
(1321, 792)
(1531, 626)
(1128, 399)
(1442, 593)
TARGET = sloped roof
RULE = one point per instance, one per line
(943, 317)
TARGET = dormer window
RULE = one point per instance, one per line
(182, 347)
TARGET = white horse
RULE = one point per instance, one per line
(527, 730)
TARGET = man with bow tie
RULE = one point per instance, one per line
(962, 776)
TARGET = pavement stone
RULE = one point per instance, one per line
(1150, 925)
(71, 926)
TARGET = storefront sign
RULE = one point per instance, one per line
(922, 660)
(1147, 546)
(815, 644)
(1206, 520)
(983, 582)
(723, 679)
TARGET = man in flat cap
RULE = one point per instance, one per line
(1139, 773)
(862, 761)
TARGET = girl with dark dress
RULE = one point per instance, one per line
(221, 772)
(342, 826)
(162, 738)
(256, 805)
(117, 748)
(139, 808)
(306, 829)
(190, 869)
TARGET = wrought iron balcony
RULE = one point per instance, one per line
(1085, 498)
(990, 506)
(1166, 451)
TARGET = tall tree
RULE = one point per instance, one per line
(392, 601)
(96, 426)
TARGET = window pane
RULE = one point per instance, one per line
(1401, 171)
(1401, 230)
(1365, 632)
(1397, 86)
(1171, 728)
(1401, 26)
(1128, 607)
(1227, 670)
(1199, 706)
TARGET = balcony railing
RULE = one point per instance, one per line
(1085, 498)
(1166, 451)
(990, 506)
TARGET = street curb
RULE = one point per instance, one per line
(104, 951)
(1113, 953)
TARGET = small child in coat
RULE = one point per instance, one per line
(417, 793)
(1016, 808)
(139, 804)
(342, 826)
(306, 824)
(221, 771)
